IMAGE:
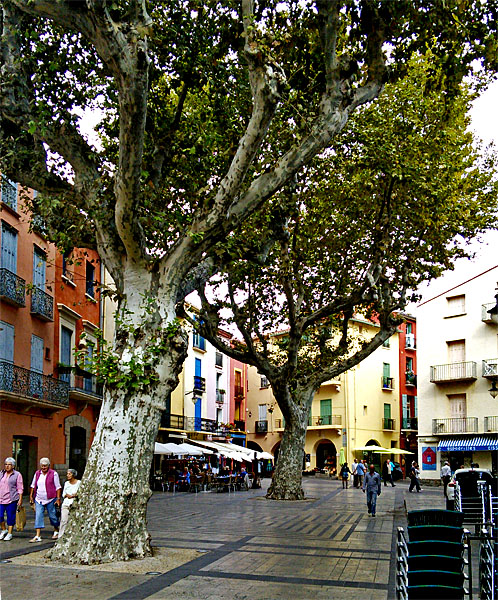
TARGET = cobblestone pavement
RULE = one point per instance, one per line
(324, 547)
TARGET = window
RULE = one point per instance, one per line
(65, 351)
(36, 379)
(387, 411)
(65, 273)
(456, 305)
(264, 383)
(409, 328)
(6, 342)
(326, 412)
(90, 280)
(9, 193)
(262, 412)
(456, 351)
(409, 365)
(458, 407)
(219, 359)
(39, 268)
(9, 249)
(387, 343)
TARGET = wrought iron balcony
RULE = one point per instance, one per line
(12, 288)
(457, 371)
(199, 384)
(410, 423)
(455, 425)
(410, 341)
(388, 424)
(387, 383)
(42, 305)
(410, 378)
(171, 421)
(490, 424)
(39, 388)
(490, 368)
(261, 427)
(86, 385)
(325, 420)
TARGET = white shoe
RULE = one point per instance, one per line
(56, 535)
(7, 538)
(37, 538)
(3, 533)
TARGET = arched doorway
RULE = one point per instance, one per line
(77, 449)
(373, 457)
(253, 446)
(275, 451)
(326, 455)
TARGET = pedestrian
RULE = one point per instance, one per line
(45, 493)
(360, 472)
(414, 475)
(390, 467)
(11, 489)
(445, 477)
(345, 473)
(354, 468)
(372, 487)
(69, 493)
(384, 473)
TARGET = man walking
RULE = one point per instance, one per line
(372, 487)
(445, 477)
(354, 471)
(360, 472)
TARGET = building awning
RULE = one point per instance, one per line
(472, 444)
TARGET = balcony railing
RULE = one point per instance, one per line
(388, 424)
(455, 425)
(334, 420)
(199, 424)
(238, 391)
(410, 423)
(387, 383)
(490, 368)
(199, 384)
(490, 424)
(458, 371)
(240, 425)
(485, 316)
(42, 305)
(36, 386)
(12, 288)
(87, 384)
(261, 426)
(410, 341)
(220, 397)
(171, 421)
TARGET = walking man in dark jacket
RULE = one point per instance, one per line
(372, 487)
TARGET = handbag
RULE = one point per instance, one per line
(20, 518)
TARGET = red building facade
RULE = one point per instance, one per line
(408, 383)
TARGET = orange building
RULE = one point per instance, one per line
(48, 405)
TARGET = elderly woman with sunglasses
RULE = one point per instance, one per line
(11, 489)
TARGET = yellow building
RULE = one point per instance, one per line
(359, 408)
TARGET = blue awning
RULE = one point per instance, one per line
(471, 444)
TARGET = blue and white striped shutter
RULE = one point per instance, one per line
(9, 249)
(39, 269)
(6, 342)
(36, 354)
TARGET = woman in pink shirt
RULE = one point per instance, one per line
(11, 489)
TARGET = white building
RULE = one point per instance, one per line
(457, 369)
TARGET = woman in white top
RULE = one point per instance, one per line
(69, 493)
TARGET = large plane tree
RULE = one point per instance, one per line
(208, 110)
(390, 206)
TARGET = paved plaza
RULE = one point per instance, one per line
(321, 548)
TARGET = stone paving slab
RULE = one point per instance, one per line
(326, 547)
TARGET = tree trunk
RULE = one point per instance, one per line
(288, 475)
(108, 520)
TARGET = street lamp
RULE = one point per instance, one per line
(494, 390)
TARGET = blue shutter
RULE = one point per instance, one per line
(88, 379)
(9, 193)
(9, 249)
(198, 414)
(39, 268)
(404, 401)
(415, 406)
(36, 374)
(65, 351)
(198, 367)
(6, 342)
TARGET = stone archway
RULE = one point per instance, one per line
(275, 450)
(77, 423)
(326, 455)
